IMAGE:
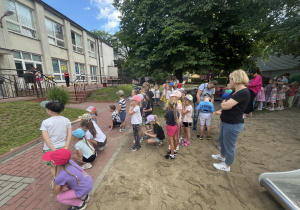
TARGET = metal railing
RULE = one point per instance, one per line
(22, 85)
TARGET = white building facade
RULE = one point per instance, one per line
(37, 35)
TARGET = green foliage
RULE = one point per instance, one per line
(109, 93)
(221, 80)
(294, 78)
(21, 120)
(56, 93)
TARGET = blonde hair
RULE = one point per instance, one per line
(173, 105)
(156, 120)
(239, 77)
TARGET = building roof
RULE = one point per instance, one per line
(279, 63)
(54, 11)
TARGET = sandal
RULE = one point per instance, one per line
(200, 137)
(208, 138)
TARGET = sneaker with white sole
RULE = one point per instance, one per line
(218, 157)
(122, 130)
(221, 166)
(86, 166)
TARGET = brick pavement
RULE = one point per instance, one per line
(25, 178)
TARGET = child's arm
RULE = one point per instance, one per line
(119, 109)
(57, 189)
(47, 140)
(131, 111)
(79, 153)
(219, 112)
(184, 111)
(151, 135)
(111, 124)
(78, 120)
(69, 135)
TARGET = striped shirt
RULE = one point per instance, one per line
(122, 103)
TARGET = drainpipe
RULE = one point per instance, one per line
(100, 69)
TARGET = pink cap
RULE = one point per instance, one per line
(136, 98)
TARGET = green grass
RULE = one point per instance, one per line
(21, 120)
(109, 93)
(157, 110)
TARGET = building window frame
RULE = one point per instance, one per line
(23, 29)
(55, 39)
(80, 71)
(77, 42)
(93, 73)
(91, 48)
(62, 67)
(35, 63)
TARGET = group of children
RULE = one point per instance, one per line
(70, 182)
(273, 95)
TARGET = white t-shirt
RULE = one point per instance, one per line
(168, 94)
(136, 118)
(157, 94)
(100, 137)
(152, 90)
(188, 116)
(87, 151)
(205, 90)
(56, 127)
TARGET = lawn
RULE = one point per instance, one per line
(109, 93)
(21, 120)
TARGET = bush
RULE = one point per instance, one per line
(56, 93)
(295, 78)
(221, 80)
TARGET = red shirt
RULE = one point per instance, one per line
(67, 74)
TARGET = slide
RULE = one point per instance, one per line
(283, 186)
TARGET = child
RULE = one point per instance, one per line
(281, 89)
(157, 95)
(122, 110)
(136, 120)
(168, 93)
(273, 97)
(158, 133)
(179, 87)
(176, 95)
(153, 91)
(115, 118)
(268, 90)
(294, 87)
(171, 118)
(187, 120)
(260, 98)
(92, 111)
(148, 108)
(85, 153)
(206, 108)
(72, 184)
(56, 130)
(228, 88)
(93, 133)
(163, 95)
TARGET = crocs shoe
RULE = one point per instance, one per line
(188, 143)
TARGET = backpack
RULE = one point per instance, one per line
(194, 94)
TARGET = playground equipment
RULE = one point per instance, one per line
(283, 186)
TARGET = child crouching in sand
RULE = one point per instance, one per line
(158, 133)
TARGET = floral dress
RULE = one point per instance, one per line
(273, 97)
(261, 95)
(281, 93)
(163, 96)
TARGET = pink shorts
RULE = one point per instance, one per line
(171, 130)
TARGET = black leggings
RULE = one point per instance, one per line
(67, 81)
(250, 104)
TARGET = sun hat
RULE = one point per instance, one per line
(91, 109)
(79, 133)
(58, 157)
(164, 85)
(189, 97)
(150, 118)
(136, 98)
(120, 93)
(171, 83)
(176, 93)
(85, 117)
(140, 95)
(179, 85)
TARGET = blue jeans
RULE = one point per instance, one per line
(196, 115)
(228, 136)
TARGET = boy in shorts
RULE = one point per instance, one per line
(122, 109)
(206, 108)
(115, 118)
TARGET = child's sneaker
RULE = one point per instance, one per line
(133, 149)
(271, 109)
(199, 137)
(159, 143)
(122, 130)
(207, 137)
(171, 157)
(86, 198)
(277, 108)
(177, 148)
(86, 166)
(175, 152)
(83, 206)
(218, 157)
(221, 166)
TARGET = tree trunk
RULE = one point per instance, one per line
(178, 74)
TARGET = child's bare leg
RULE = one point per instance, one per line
(175, 141)
(78, 159)
(123, 124)
(208, 130)
(185, 132)
(93, 143)
(171, 140)
(179, 130)
(140, 131)
(201, 130)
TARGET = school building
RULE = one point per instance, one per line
(33, 34)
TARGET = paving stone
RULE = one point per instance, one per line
(1, 182)
(27, 180)
(4, 177)
(7, 188)
(6, 193)
(19, 189)
(16, 179)
(17, 185)
(3, 201)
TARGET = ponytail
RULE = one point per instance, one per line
(90, 126)
(80, 169)
(156, 120)
(173, 105)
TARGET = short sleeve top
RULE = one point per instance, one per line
(205, 90)
(170, 118)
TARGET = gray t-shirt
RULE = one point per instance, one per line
(205, 90)
(56, 127)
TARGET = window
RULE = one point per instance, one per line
(24, 61)
(59, 68)
(21, 21)
(55, 33)
(91, 46)
(79, 70)
(93, 71)
(77, 42)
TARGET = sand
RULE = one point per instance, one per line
(145, 180)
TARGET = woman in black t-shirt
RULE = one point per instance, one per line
(233, 108)
(158, 133)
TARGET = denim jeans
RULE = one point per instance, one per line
(196, 115)
(228, 136)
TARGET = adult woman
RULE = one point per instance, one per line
(67, 78)
(232, 109)
(254, 87)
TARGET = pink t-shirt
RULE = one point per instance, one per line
(255, 84)
(188, 116)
